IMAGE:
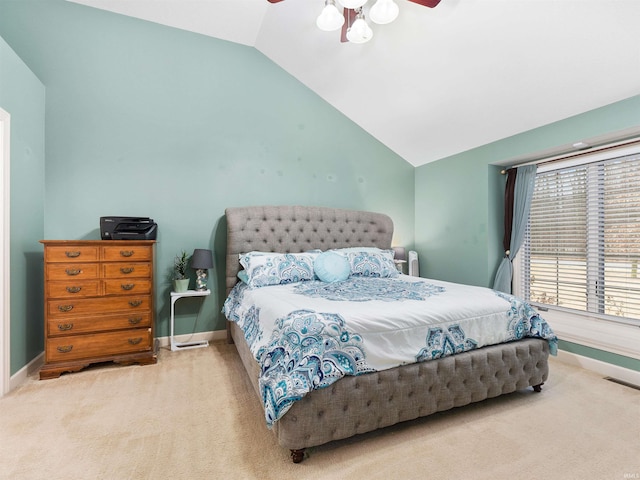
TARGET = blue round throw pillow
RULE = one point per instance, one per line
(331, 267)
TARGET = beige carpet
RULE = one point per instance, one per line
(194, 416)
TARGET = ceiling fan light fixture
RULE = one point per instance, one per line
(352, 4)
(360, 31)
(330, 19)
(384, 11)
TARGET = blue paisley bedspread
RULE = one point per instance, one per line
(307, 335)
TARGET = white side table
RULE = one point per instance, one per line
(174, 298)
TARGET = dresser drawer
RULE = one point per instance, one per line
(124, 286)
(81, 288)
(74, 347)
(123, 270)
(127, 253)
(68, 308)
(77, 271)
(90, 324)
(71, 253)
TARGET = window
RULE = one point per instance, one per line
(582, 246)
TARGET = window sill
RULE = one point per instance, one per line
(593, 332)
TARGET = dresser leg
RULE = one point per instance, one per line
(55, 370)
(49, 371)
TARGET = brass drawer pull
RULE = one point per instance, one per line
(65, 326)
(65, 348)
(135, 303)
(73, 289)
(126, 253)
(127, 286)
(73, 271)
(126, 270)
(75, 254)
(135, 320)
(65, 308)
(135, 341)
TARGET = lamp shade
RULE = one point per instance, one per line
(399, 253)
(202, 259)
(330, 19)
(360, 31)
(384, 11)
(352, 3)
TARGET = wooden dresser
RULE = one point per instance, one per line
(98, 303)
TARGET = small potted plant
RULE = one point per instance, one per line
(180, 280)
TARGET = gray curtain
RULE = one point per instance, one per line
(525, 181)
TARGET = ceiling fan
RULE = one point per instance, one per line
(354, 27)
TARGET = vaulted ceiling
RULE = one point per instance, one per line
(439, 81)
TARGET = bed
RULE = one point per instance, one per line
(368, 398)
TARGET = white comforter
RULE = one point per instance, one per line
(309, 334)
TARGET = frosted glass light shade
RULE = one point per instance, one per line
(330, 19)
(384, 11)
(352, 3)
(360, 31)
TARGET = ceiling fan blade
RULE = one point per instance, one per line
(425, 3)
(349, 18)
(274, 1)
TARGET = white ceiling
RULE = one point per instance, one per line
(439, 81)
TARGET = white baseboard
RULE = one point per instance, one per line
(209, 336)
(29, 369)
(602, 368)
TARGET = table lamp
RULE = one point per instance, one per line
(201, 261)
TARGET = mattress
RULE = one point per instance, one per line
(307, 335)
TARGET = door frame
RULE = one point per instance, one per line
(5, 310)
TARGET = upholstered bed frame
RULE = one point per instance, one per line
(359, 404)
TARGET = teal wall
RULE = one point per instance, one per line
(147, 120)
(459, 200)
(23, 96)
(458, 219)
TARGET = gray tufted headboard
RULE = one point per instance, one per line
(297, 229)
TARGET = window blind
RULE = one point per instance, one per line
(582, 245)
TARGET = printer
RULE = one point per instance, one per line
(128, 228)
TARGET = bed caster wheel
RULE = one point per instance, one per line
(297, 455)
